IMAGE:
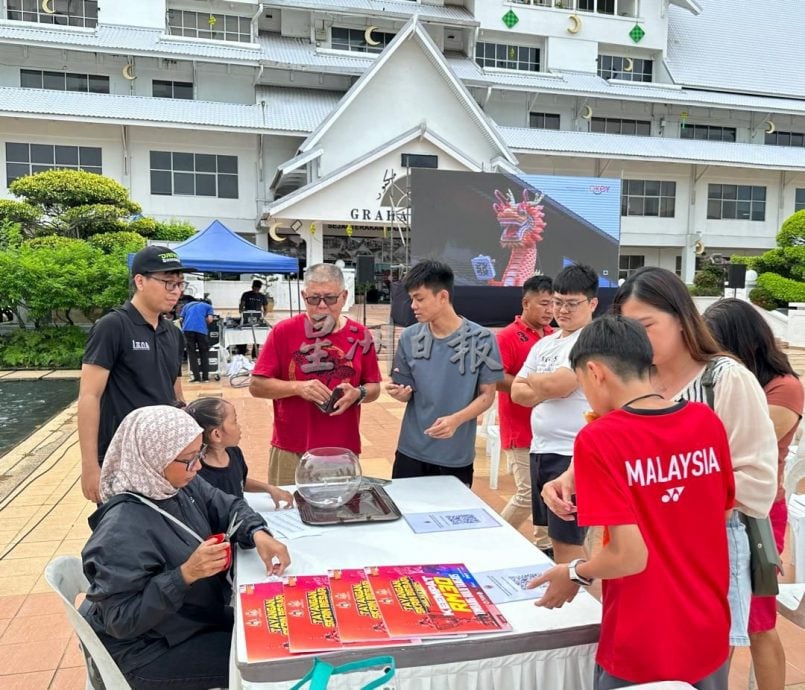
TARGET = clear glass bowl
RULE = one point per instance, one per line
(328, 477)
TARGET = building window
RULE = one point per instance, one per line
(799, 200)
(65, 12)
(707, 133)
(63, 81)
(626, 68)
(678, 265)
(27, 159)
(736, 202)
(543, 121)
(785, 139)
(600, 6)
(194, 174)
(419, 160)
(648, 198)
(615, 125)
(219, 27)
(505, 56)
(629, 263)
(172, 89)
(354, 40)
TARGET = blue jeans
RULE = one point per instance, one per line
(740, 592)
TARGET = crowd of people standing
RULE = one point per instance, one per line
(662, 384)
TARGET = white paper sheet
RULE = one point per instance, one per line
(450, 520)
(288, 525)
(508, 584)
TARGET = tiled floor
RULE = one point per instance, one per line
(47, 517)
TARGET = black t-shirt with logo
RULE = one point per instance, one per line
(253, 301)
(143, 365)
(230, 479)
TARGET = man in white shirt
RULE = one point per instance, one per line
(548, 384)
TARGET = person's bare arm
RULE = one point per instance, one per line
(547, 386)
(445, 427)
(93, 383)
(177, 389)
(505, 385)
(522, 393)
(783, 419)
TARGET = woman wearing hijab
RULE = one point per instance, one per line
(159, 593)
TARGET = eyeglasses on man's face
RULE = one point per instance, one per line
(315, 300)
(568, 305)
(195, 460)
(171, 285)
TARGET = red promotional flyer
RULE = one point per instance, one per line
(356, 610)
(311, 621)
(428, 600)
(264, 622)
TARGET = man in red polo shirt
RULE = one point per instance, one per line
(515, 341)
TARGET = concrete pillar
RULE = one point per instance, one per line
(313, 235)
(688, 264)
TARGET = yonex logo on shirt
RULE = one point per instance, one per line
(673, 494)
(140, 345)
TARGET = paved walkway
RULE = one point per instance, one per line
(45, 516)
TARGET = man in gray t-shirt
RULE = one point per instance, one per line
(445, 369)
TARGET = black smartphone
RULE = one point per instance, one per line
(401, 379)
(329, 406)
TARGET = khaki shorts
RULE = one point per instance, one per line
(282, 466)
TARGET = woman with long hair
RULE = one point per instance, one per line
(741, 330)
(684, 350)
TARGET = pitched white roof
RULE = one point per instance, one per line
(739, 46)
(287, 111)
(399, 9)
(413, 30)
(657, 149)
(128, 40)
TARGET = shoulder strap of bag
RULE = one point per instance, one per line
(165, 513)
(709, 384)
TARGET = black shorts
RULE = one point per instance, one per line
(406, 467)
(544, 468)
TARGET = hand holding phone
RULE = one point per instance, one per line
(329, 406)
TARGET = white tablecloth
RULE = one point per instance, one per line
(547, 650)
(244, 336)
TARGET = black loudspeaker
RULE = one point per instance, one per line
(365, 272)
(736, 276)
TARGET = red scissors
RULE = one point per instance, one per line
(221, 537)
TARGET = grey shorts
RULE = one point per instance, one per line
(715, 681)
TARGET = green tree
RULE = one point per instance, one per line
(173, 231)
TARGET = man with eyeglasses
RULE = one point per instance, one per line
(547, 384)
(307, 362)
(133, 358)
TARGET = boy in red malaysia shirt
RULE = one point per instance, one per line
(658, 476)
(304, 359)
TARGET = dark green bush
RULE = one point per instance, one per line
(792, 232)
(763, 298)
(174, 231)
(709, 282)
(43, 348)
(117, 242)
(783, 290)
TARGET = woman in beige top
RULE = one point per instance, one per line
(683, 347)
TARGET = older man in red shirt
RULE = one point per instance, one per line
(515, 341)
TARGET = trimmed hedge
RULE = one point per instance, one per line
(43, 347)
(782, 289)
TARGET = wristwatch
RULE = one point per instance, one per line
(574, 576)
(363, 392)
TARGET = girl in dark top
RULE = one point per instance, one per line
(223, 464)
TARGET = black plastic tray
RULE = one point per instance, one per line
(370, 504)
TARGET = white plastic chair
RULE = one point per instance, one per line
(66, 578)
(490, 431)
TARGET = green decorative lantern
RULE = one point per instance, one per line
(636, 33)
(510, 19)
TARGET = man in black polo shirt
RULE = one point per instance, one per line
(133, 358)
(254, 300)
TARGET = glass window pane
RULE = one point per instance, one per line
(228, 164)
(744, 193)
(714, 191)
(759, 210)
(796, 139)
(17, 153)
(636, 206)
(597, 124)
(246, 26)
(612, 127)
(228, 186)
(644, 129)
(728, 134)
(160, 182)
(161, 89)
(730, 191)
(53, 80)
(686, 133)
(183, 161)
(205, 185)
(184, 183)
(759, 193)
(92, 169)
(89, 155)
(15, 170)
(667, 207)
(668, 188)
(77, 82)
(42, 153)
(183, 90)
(205, 162)
(40, 168)
(742, 210)
(629, 127)
(728, 209)
(67, 155)
(624, 206)
(30, 79)
(160, 160)
(98, 84)
(652, 188)
(652, 206)
(714, 209)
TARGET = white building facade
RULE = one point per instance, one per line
(299, 119)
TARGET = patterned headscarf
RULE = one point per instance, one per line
(146, 441)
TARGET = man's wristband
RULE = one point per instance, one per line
(575, 576)
(362, 393)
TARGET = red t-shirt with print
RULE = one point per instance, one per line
(668, 472)
(298, 350)
(515, 342)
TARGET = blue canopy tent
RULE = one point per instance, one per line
(218, 249)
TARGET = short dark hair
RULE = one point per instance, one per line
(577, 278)
(740, 329)
(434, 275)
(538, 284)
(620, 343)
(257, 284)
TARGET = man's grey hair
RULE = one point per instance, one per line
(324, 273)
